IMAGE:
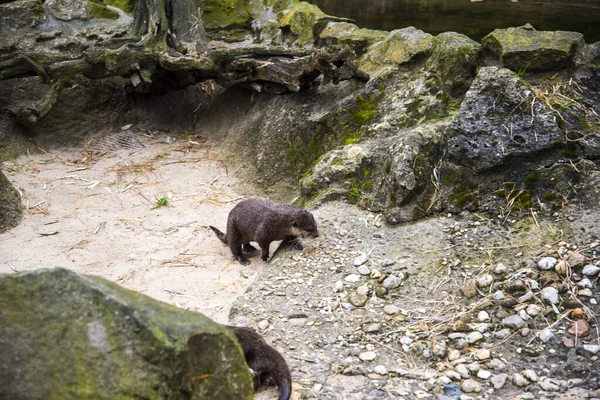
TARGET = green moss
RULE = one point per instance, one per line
(464, 193)
(571, 154)
(218, 14)
(550, 196)
(530, 180)
(366, 110)
(388, 167)
(99, 10)
(367, 185)
(125, 5)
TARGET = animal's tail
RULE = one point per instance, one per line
(219, 234)
(283, 378)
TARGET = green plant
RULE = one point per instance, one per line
(161, 202)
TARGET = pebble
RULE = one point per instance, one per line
(380, 370)
(592, 348)
(561, 268)
(516, 286)
(585, 283)
(533, 310)
(360, 260)
(455, 376)
(363, 290)
(375, 274)
(469, 288)
(462, 370)
(499, 381)
(483, 316)
(525, 332)
(551, 294)
(387, 263)
(567, 342)
(585, 292)
(526, 297)
(514, 321)
(530, 375)
(549, 386)
(352, 278)
(264, 324)
(498, 295)
(580, 328)
(474, 337)
(474, 367)
(406, 340)
(485, 280)
(453, 355)
(357, 299)
(503, 333)
(519, 380)
(439, 349)
(590, 270)
(364, 270)
(546, 335)
(523, 314)
(368, 356)
(372, 327)
(547, 263)
(482, 354)
(483, 374)
(471, 386)
(496, 364)
(576, 259)
(338, 287)
(500, 269)
(391, 309)
(392, 281)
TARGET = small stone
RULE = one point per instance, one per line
(576, 259)
(498, 295)
(496, 365)
(469, 288)
(453, 355)
(585, 293)
(380, 291)
(546, 335)
(406, 340)
(474, 367)
(519, 380)
(392, 281)
(500, 269)
(585, 283)
(590, 270)
(525, 332)
(480, 327)
(387, 263)
(263, 325)
(338, 287)
(455, 376)
(530, 375)
(592, 348)
(364, 270)
(499, 381)
(357, 299)
(526, 297)
(462, 370)
(550, 294)
(461, 343)
(368, 356)
(375, 274)
(549, 386)
(360, 260)
(363, 290)
(580, 328)
(483, 316)
(474, 337)
(485, 280)
(372, 327)
(440, 350)
(593, 301)
(391, 309)
(567, 342)
(380, 370)
(514, 322)
(547, 263)
(533, 310)
(561, 268)
(523, 314)
(471, 386)
(482, 354)
(502, 334)
(483, 374)
(352, 278)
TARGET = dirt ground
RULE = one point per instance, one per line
(99, 218)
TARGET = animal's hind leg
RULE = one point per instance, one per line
(235, 244)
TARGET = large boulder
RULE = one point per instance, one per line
(349, 34)
(500, 118)
(10, 205)
(21, 13)
(526, 49)
(70, 336)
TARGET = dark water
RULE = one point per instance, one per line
(474, 19)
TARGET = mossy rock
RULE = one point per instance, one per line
(400, 46)
(525, 49)
(22, 13)
(453, 58)
(71, 336)
(125, 5)
(10, 205)
(100, 11)
(219, 14)
(349, 34)
(303, 20)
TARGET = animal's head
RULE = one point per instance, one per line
(304, 225)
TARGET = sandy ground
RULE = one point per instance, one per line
(97, 218)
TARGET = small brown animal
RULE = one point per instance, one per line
(258, 220)
(267, 365)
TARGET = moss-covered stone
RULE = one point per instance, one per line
(525, 49)
(21, 13)
(400, 46)
(303, 20)
(349, 34)
(227, 14)
(99, 10)
(125, 5)
(73, 336)
(10, 205)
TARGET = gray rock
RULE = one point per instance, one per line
(439, 350)
(585, 292)
(546, 335)
(372, 327)
(576, 259)
(360, 260)
(263, 325)
(17, 14)
(391, 309)
(367, 356)
(519, 380)
(585, 283)
(498, 381)
(349, 34)
(549, 386)
(482, 354)
(67, 10)
(338, 286)
(393, 281)
(480, 140)
(380, 370)
(462, 370)
(561, 268)
(592, 348)
(357, 299)
(514, 322)
(530, 375)
(453, 355)
(485, 280)
(524, 48)
(364, 270)
(547, 263)
(352, 278)
(496, 364)
(503, 333)
(471, 386)
(498, 295)
(526, 297)
(474, 337)
(590, 270)
(550, 294)
(533, 310)
(483, 374)
(483, 316)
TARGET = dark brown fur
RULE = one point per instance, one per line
(258, 220)
(267, 365)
